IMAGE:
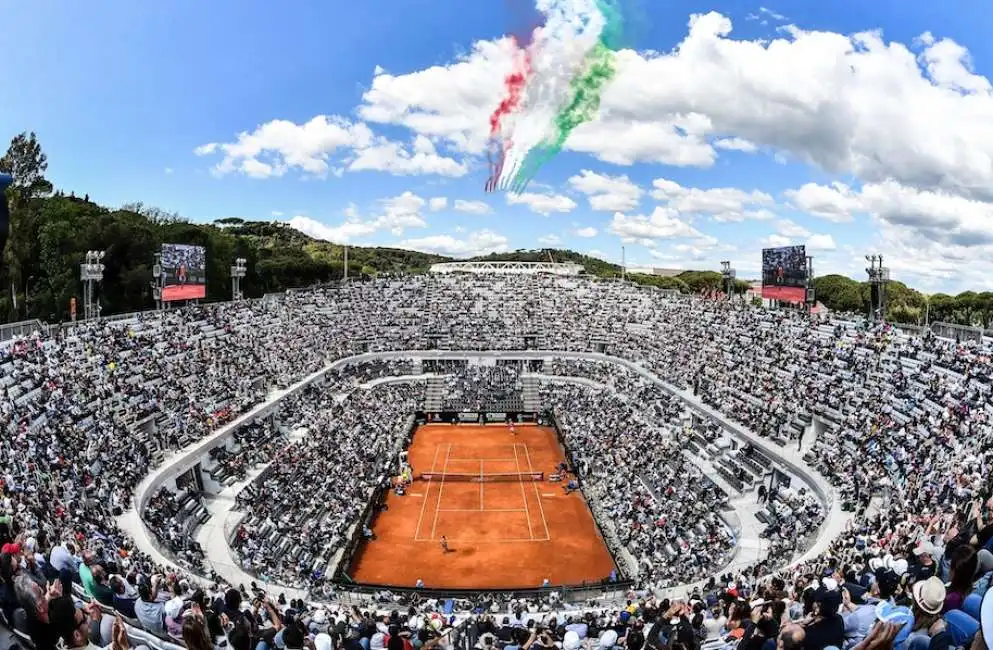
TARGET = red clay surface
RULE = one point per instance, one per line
(506, 535)
(184, 292)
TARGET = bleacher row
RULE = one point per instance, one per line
(104, 400)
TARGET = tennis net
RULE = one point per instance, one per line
(505, 477)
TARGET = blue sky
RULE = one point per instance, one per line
(854, 128)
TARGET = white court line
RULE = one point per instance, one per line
(537, 495)
(548, 494)
(487, 510)
(417, 531)
(441, 489)
(524, 495)
(467, 460)
(453, 542)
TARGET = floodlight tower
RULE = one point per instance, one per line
(879, 276)
(728, 274)
(158, 282)
(91, 272)
(238, 271)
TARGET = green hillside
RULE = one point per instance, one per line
(50, 233)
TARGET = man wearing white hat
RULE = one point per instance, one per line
(925, 566)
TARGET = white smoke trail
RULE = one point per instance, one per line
(571, 30)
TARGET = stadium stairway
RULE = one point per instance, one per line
(529, 393)
(434, 394)
(224, 518)
(718, 474)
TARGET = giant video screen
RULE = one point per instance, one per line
(185, 269)
(784, 273)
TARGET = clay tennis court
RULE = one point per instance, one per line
(501, 534)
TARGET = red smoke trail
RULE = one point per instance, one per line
(513, 90)
(525, 20)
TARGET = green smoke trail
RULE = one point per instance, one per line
(586, 90)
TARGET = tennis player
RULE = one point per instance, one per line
(513, 430)
(444, 545)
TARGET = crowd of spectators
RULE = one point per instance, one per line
(660, 506)
(302, 507)
(478, 388)
(902, 429)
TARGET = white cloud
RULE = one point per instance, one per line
(723, 204)
(950, 65)
(940, 216)
(550, 240)
(396, 215)
(401, 212)
(472, 207)
(853, 104)
(688, 251)
(836, 202)
(438, 203)
(791, 229)
(168, 171)
(777, 240)
(543, 204)
(821, 243)
(607, 193)
(278, 146)
(677, 140)
(288, 145)
(481, 242)
(589, 231)
(256, 169)
(663, 223)
(393, 157)
(735, 144)
(771, 14)
(342, 233)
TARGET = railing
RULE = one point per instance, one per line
(179, 463)
(339, 574)
(27, 327)
(23, 328)
(600, 518)
(609, 590)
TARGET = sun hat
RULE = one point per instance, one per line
(930, 594)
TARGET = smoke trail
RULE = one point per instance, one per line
(582, 107)
(514, 87)
(586, 91)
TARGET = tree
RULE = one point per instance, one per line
(699, 281)
(741, 287)
(27, 163)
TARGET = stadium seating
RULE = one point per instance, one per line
(898, 424)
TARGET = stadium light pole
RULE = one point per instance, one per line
(729, 274)
(91, 272)
(158, 282)
(238, 272)
(879, 275)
